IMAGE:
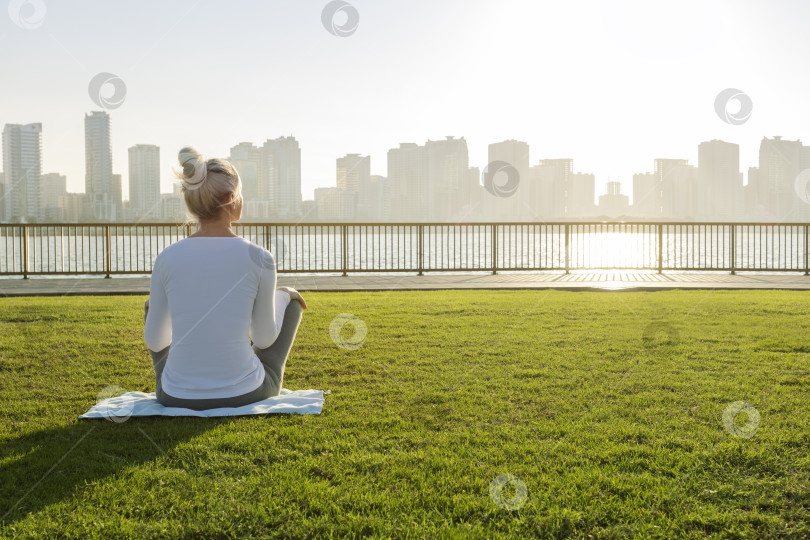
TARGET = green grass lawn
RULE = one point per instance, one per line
(608, 407)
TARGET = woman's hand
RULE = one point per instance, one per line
(294, 295)
(146, 307)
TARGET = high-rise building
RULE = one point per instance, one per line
(335, 204)
(381, 198)
(448, 186)
(144, 181)
(676, 189)
(720, 182)
(780, 162)
(550, 191)
(98, 183)
(581, 197)
(256, 211)
(646, 197)
(22, 160)
(753, 210)
(118, 197)
(544, 178)
(613, 204)
(354, 174)
(309, 211)
(247, 159)
(430, 182)
(474, 211)
(52, 187)
(407, 170)
(171, 207)
(72, 207)
(803, 199)
(280, 183)
(517, 205)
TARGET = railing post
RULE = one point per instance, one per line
(108, 256)
(806, 246)
(733, 249)
(344, 245)
(26, 267)
(567, 248)
(420, 254)
(494, 242)
(660, 248)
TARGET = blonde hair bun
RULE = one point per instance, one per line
(208, 185)
(195, 168)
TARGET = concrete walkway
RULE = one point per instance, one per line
(576, 281)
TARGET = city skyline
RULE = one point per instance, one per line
(605, 107)
(430, 182)
(167, 179)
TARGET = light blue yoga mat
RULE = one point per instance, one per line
(119, 408)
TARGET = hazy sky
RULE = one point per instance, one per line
(611, 84)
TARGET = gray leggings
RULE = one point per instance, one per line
(274, 359)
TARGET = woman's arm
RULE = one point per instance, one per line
(295, 296)
(268, 308)
(157, 331)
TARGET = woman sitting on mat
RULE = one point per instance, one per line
(207, 293)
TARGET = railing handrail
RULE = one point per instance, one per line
(409, 223)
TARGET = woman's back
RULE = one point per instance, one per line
(213, 289)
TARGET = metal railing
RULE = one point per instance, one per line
(120, 248)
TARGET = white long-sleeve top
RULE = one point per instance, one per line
(207, 297)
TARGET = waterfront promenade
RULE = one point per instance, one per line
(575, 281)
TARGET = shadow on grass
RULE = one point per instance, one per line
(44, 467)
